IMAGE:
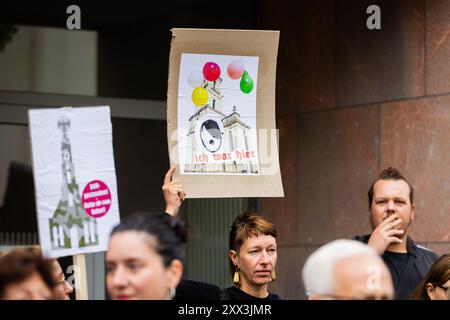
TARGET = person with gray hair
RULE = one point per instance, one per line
(348, 270)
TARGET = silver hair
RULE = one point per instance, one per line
(319, 267)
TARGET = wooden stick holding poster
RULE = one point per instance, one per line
(81, 285)
(75, 183)
(221, 113)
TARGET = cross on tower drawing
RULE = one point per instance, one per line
(70, 226)
(64, 124)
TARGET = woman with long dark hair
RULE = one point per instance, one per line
(436, 284)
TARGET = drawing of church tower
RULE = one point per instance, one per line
(214, 95)
(237, 134)
(70, 226)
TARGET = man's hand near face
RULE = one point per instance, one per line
(385, 234)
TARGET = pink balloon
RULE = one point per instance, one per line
(235, 69)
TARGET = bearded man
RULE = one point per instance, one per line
(391, 204)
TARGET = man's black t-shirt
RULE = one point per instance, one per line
(233, 293)
(407, 269)
(396, 263)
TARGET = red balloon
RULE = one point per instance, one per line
(211, 71)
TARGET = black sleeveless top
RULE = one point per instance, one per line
(233, 293)
(194, 290)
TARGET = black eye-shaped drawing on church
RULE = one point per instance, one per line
(217, 115)
(211, 135)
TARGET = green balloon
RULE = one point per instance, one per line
(246, 83)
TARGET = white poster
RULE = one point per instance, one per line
(217, 131)
(75, 179)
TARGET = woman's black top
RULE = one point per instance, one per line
(194, 290)
(233, 293)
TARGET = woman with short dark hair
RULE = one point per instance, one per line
(252, 258)
(252, 255)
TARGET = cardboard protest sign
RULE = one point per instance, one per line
(75, 179)
(221, 112)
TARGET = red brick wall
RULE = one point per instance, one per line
(351, 102)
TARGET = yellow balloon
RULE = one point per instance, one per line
(200, 96)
